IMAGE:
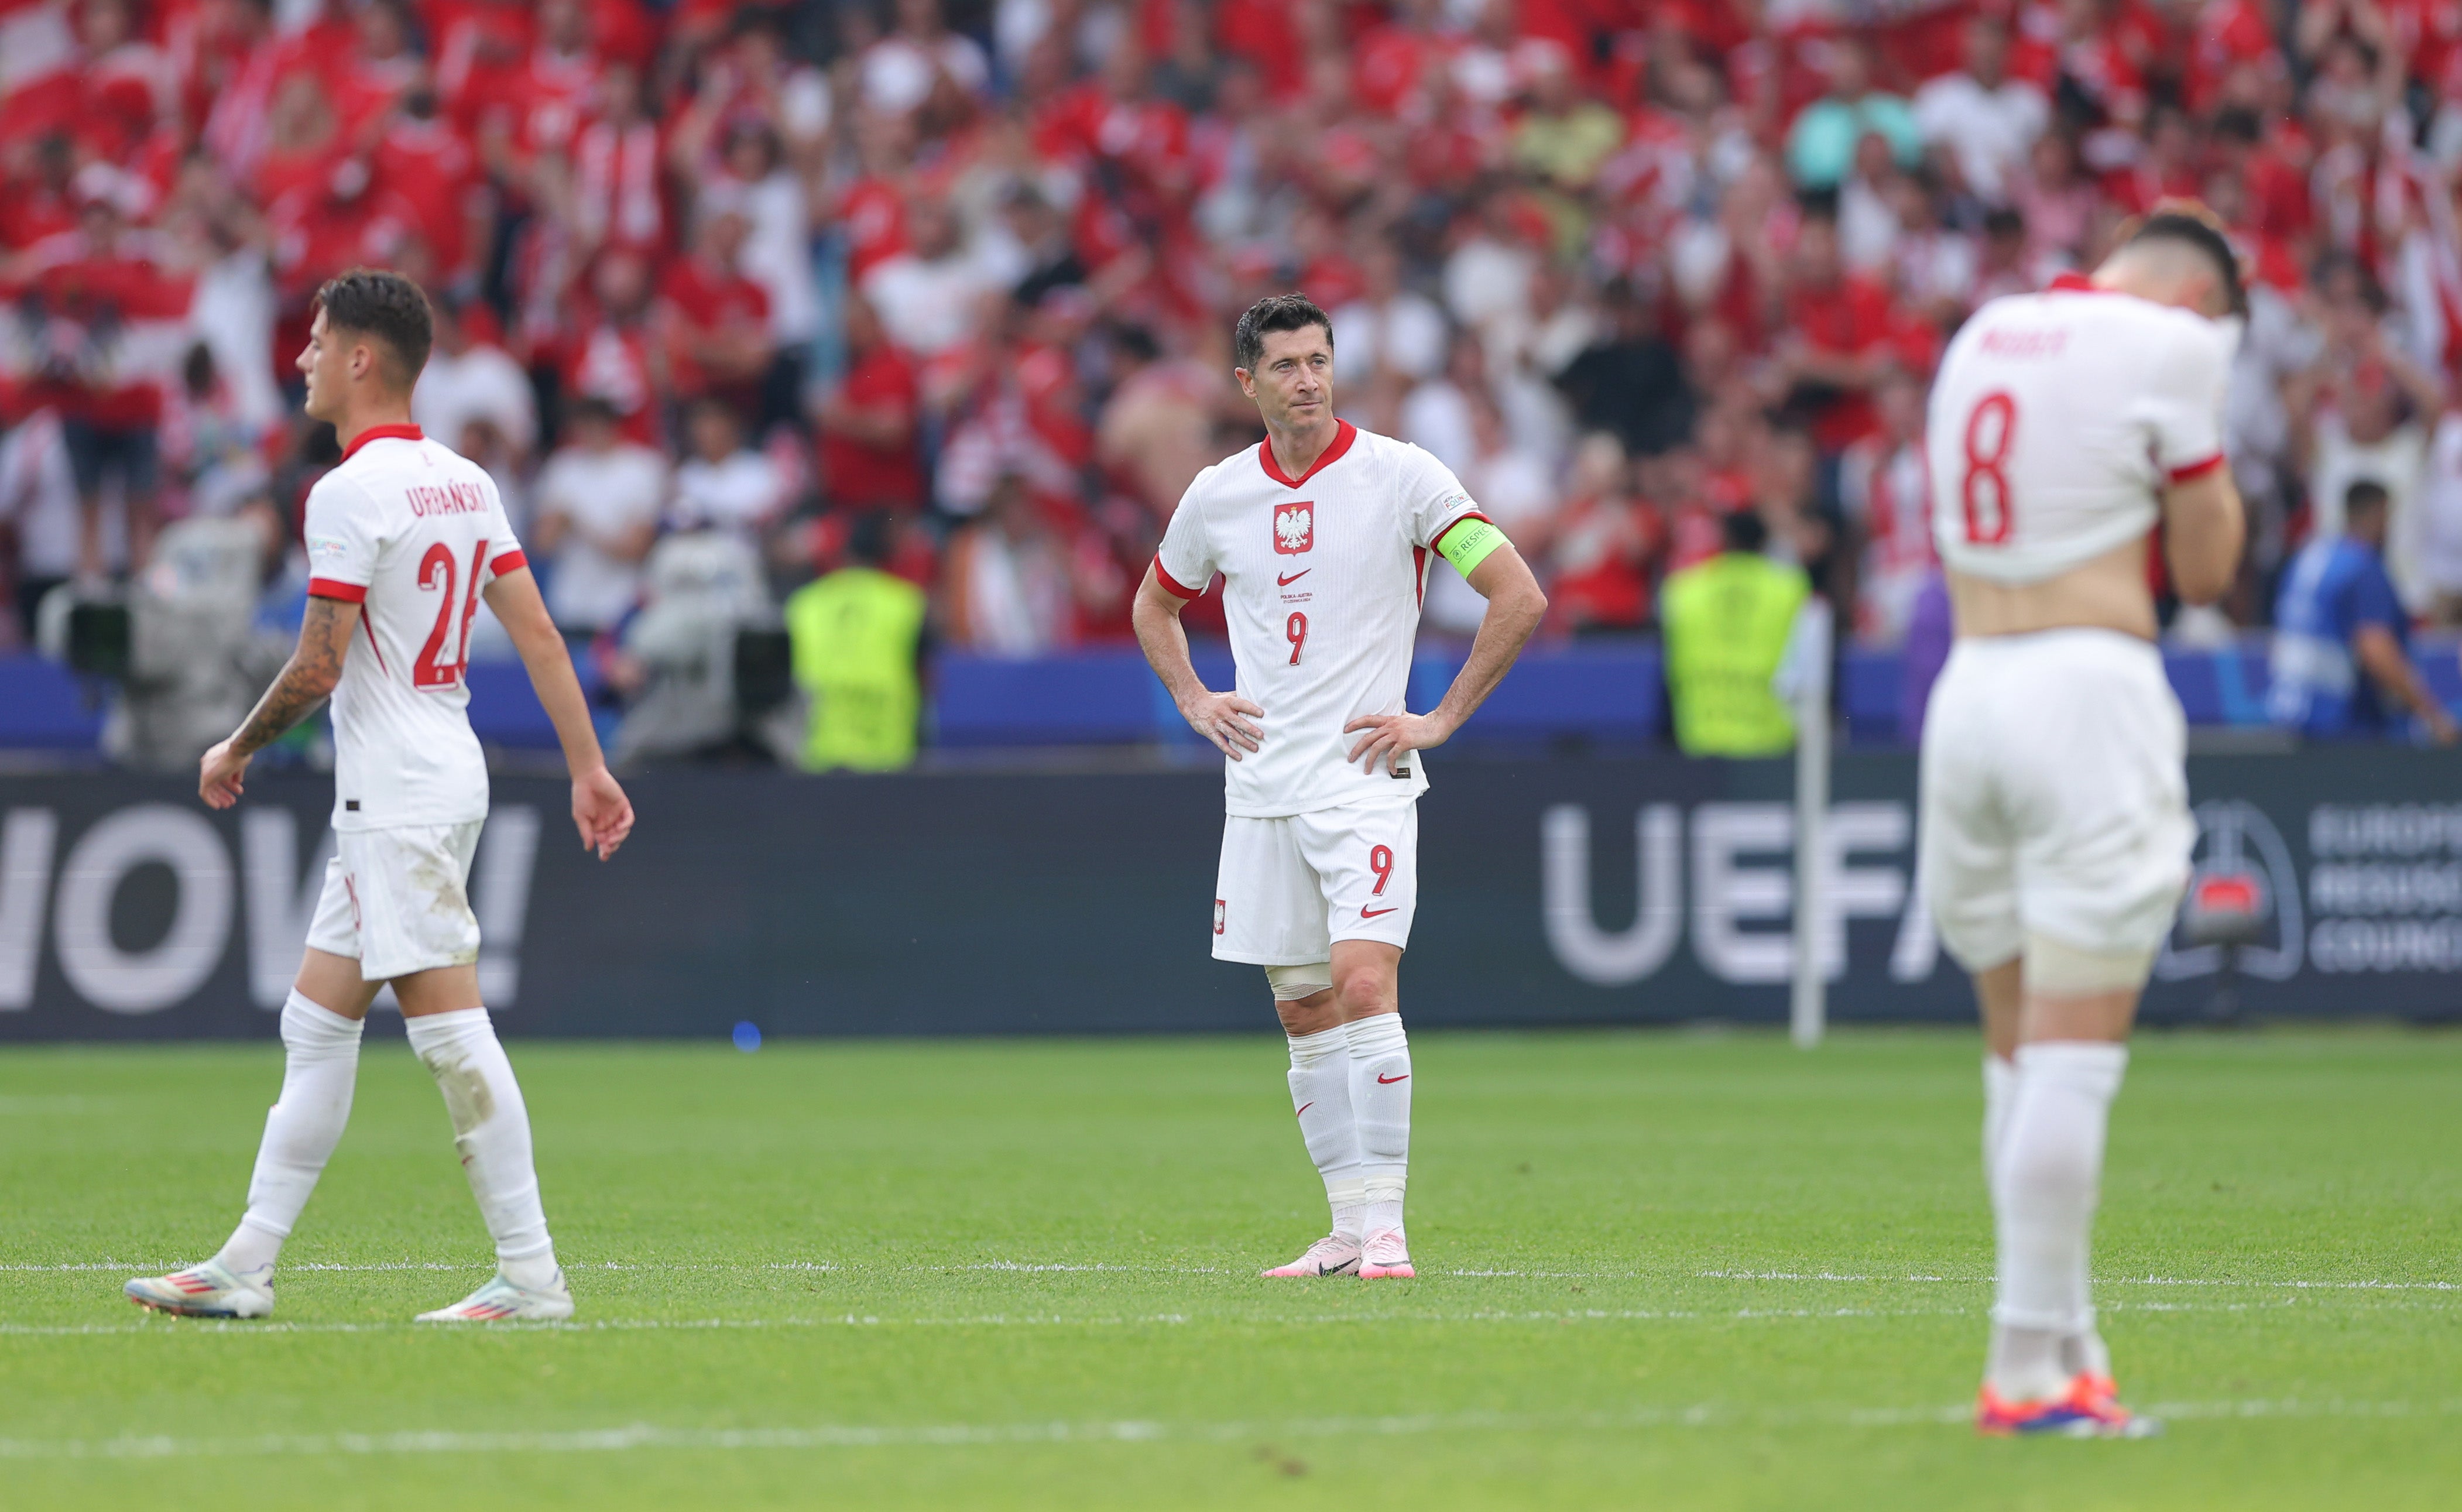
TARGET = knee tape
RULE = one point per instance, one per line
(1290, 983)
(2059, 970)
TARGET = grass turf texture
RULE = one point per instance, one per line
(1654, 1269)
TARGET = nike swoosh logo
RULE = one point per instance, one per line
(1304, 1108)
(1377, 913)
(1280, 581)
(1388, 1081)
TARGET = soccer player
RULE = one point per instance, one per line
(404, 537)
(1325, 534)
(2065, 426)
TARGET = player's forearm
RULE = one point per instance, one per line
(1164, 640)
(2391, 670)
(307, 679)
(1512, 618)
(559, 693)
(292, 698)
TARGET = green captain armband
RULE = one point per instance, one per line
(1469, 541)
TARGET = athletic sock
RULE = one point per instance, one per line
(1321, 1096)
(2049, 1175)
(1380, 1101)
(2000, 1093)
(320, 1068)
(492, 1127)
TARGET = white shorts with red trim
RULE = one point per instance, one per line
(399, 900)
(1289, 888)
(2055, 796)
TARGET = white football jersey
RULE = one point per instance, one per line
(410, 531)
(1323, 574)
(2057, 420)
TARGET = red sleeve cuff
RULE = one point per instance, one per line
(513, 561)
(334, 588)
(2196, 469)
(1438, 544)
(1173, 585)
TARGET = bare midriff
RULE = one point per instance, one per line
(2108, 593)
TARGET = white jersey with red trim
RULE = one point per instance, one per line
(1323, 575)
(410, 531)
(2057, 420)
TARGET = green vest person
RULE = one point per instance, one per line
(1728, 622)
(858, 636)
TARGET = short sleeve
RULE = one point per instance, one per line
(1434, 499)
(2184, 407)
(341, 538)
(1184, 563)
(504, 548)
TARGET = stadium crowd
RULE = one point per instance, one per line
(968, 272)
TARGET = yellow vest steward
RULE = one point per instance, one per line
(854, 634)
(1727, 623)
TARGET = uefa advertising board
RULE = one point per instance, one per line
(1574, 891)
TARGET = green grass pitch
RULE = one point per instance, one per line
(1657, 1270)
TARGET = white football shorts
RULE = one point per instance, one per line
(2054, 800)
(1290, 887)
(399, 900)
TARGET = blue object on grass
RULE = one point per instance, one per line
(747, 1036)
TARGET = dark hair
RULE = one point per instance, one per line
(2367, 493)
(1274, 312)
(1744, 530)
(867, 540)
(584, 407)
(2194, 225)
(2003, 221)
(388, 308)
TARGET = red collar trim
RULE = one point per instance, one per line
(1343, 433)
(2073, 284)
(381, 433)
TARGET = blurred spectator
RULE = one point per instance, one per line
(1884, 496)
(871, 446)
(859, 640)
(1729, 623)
(928, 297)
(2440, 519)
(1629, 383)
(716, 321)
(470, 378)
(39, 502)
(1008, 590)
(1389, 326)
(1820, 144)
(599, 503)
(210, 446)
(1985, 120)
(2342, 644)
(725, 485)
(107, 323)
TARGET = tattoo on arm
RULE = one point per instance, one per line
(307, 679)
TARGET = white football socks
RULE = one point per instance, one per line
(319, 1070)
(2000, 1093)
(1321, 1098)
(492, 1127)
(2048, 1178)
(1380, 1102)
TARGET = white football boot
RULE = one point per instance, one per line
(500, 1301)
(1330, 1255)
(204, 1291)
(1386, 1256)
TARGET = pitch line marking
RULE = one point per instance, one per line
(1031, 1267)
(212, 1328)
(2099, 1280)
(858, 1436)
